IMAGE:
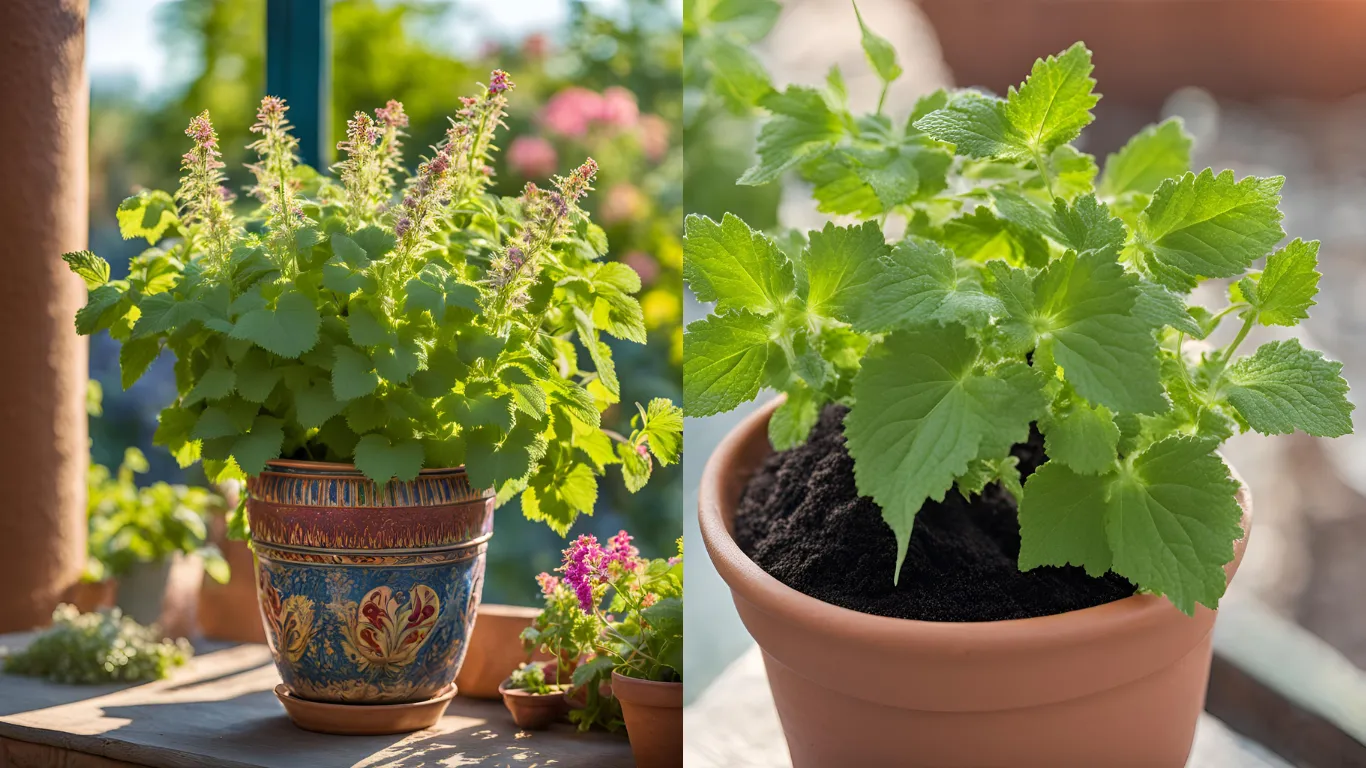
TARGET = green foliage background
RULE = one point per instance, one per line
(379, 52)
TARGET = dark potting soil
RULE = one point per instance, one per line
(802, 520)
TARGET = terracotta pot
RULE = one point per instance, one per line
(654, 720)
(533, 711)
(368, 592)
(1145, 49)
(90, 596)
(495, 649)
(230, 610)
(1120, 684)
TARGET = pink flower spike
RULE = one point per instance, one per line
(499, 82)
(583, 568)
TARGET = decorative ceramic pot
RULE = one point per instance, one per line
(654, 720)
(368, 592)
(1118, 684)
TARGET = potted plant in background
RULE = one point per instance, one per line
(139, 536)
(998, 524)
(383, 368)
(535, 703)
(639, 645)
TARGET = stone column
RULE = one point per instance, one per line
(45, 100)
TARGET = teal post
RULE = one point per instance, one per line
(298, 70)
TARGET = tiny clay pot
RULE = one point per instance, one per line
(654, 720)
(1119, 684)
(533, 711)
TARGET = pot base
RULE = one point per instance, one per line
(364, 719)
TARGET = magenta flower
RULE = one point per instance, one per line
(583, 569)
(532, 157)
(499, 82)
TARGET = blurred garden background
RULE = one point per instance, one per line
(599, 78)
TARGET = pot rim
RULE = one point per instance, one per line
(525, 695)
(338, 469)
(1136, 614)
(651, 693)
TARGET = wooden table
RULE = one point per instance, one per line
(219, 711)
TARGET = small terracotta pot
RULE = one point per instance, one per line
(1120, 684)
(231, 612)
(90, 596)
(654, 720)
(495, 649)
(533, 711)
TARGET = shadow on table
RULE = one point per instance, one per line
(20, 694)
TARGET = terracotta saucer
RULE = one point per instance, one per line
(364, 719)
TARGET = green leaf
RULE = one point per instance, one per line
(635, 467)
(919, 284)
(289, 330)
(734, 266)
(923, 410)
(135, 357)
(791, 423)
(217, 382)
(723, 362)
(557, 495)
(1288, 285)
(1062, 520)
(316, 404)
(215, 422)
(1284, 387)
(380, 460)
(148, 214)
(981, 472)
(881, 55)
(376, 242)
(736, 74)
(1084, 319)
(1172, 519)
(397, 359)
(105, 305)
(1082, 437)
(664, 430)
(349, 251)
(1086, 225)
(982, 236)
(1159, 307)
(841, 267)
(174, 426)
(252, 450)
(801, 126)
(490, 463)
(364, 327)
(257, 375)
(92, 269)
(1157, 153)
(1212, 226)
(353, 375)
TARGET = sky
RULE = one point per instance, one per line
(123, 43)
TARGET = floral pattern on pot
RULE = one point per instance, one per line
(385, 634)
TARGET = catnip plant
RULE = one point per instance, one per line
(1028, 288)
(398, 325)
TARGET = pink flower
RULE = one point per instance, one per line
(499, 82)
(644, 264)
(583, 568)
(654, 137)
(569, 112)
(532, 157)
(617, 108)
(649, 599)
(621, 551)
(392, 114)
(624, 202)
(548, 583)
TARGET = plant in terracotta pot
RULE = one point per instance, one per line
(136, 535)
(384, 362)
(997, 525)
(535, 703)
(639, 606)
(561, 629)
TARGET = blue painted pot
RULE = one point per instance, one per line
(368, 593)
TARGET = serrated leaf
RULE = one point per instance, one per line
(491, 464)
(635, 467)
(135, 357)
(1157, 153)
(1283, 387)
(314, 406)
(881, 55)
(840, 268)
(1159, 307)
(148, 215)
(1171, 521)
(916, 284)
(364, 327)
(397, 359)
(350, 251)
(801, 125)
(215, 422)
(103, 306)
(353, 374)
(1086, 225)
(982, 236)
(664, 430)
(1212, 226)
(92, 269)
(558, 495)
(723, 362)
(976, 125)
(1288, 285)
(380, 460)
(376, 242)
(257, 375)
(734, 266)
(289, 330)
(736, 74)
(1062, 520)
(217, 382)
(1082, 437)
(923, 411)
(252, 450)
(792, 421)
